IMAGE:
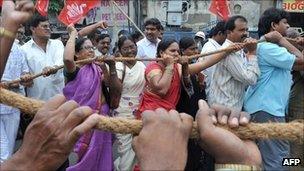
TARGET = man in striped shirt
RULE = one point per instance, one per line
(238, 70)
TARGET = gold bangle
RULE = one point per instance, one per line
(6, 33)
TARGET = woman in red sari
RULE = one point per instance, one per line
(164, 78)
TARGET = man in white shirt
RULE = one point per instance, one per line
(234, 73)
(103, 44)
(218, 36)
(42, 53)
(147, 46)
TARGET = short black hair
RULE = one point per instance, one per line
(270, 15)
(219, 27)
(230, 24)
(185, 43)
(103, 36)
(92, 35)
(37, 18)
(136, 35)
(122, 39)
(163, 45)
(153, 21)
(123, 33)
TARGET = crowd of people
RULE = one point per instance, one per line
(252, 81)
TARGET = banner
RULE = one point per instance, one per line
(293, 5)
(74, 10)
(220, 8)
(42, 7)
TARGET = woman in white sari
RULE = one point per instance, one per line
(132, 78)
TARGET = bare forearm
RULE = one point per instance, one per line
(87, 30)
(6, 45)
(69, 53)
(164, 83)
(293, 50)
(115, 87)
(210, 61)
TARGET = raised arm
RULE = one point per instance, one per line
(87, 30)
(12, 16)
(69, 50)
(159, 81)
(276, 37)
(204, 64)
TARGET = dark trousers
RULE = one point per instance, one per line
(272, 151)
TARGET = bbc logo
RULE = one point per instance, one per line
(291, 161)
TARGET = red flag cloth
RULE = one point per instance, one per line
(1, 1)
(74, 10)
(220, 8)
(42, 7)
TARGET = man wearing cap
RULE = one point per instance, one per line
(199, 39)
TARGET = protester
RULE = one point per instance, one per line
(197, 159)
(92, 31)
(103, 45)
(84, 85)
(161, 32)
(296, 100)
(217, 38)
(238, 70)
(267, 100)
(15, 68)
(12, 17)
(132, 82)
(164, 77)
(200, 38)
(42, 53)
(147, 46)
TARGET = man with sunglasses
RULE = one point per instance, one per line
(42, 53)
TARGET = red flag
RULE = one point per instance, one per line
(74, 10)
(42, 7)
(1, 1)
(220, 8)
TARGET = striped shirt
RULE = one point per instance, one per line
(231, 77)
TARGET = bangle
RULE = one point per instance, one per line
(6, 33)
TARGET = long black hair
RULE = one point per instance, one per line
(163, 45)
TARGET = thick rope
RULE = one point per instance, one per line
(121, 59)
(293, 131)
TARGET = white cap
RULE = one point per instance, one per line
(200, 34)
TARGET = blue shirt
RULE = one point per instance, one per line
(271, 92)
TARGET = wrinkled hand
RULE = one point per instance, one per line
(49, 71)
(26, 80)
(110, 60)
(162, 142)
(72, 30)
(15, 14)
(273, 37)
(52, 135)
(167, 59)
(222, 144)
(250, 44)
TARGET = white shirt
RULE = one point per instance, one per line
(15, 67)
(146, 49)
(45, 87)
(209, 46)
(231, 76)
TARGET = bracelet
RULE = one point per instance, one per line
(6, 33)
